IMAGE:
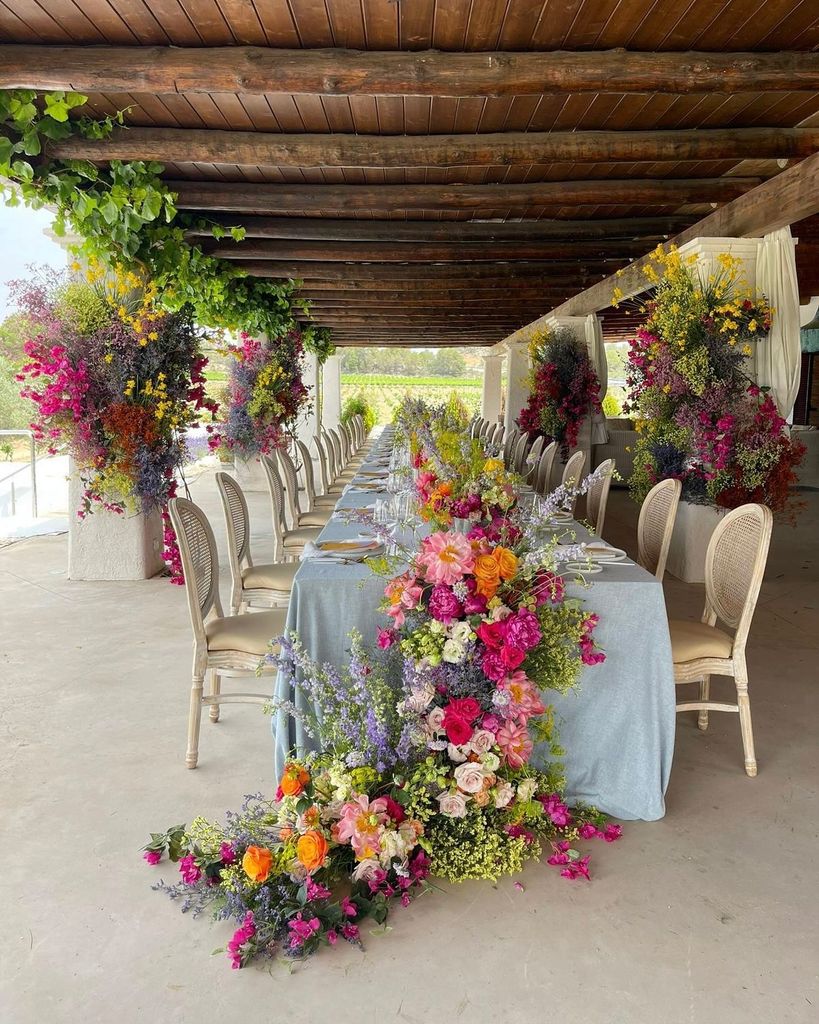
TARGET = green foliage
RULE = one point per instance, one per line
(384, 393)
(15, 412)
(359, 406)
(319, 341)
(126, 215)
(412, 362)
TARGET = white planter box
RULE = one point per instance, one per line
(250, 473)
(689, 542)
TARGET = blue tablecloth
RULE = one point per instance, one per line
(617, 727)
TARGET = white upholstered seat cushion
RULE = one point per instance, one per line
(298, 538)
(318, 517)
(693, 640)
(270, 576)
(249, 633)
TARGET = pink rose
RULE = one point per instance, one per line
(482, 741)
(435, 719)
(458, 730)
(492, 634)
(512, 657)
(469, 777)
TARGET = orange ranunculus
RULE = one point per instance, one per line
(311, 850)
(257, 862)
(294, 779)
(507, 562)
(487, 575)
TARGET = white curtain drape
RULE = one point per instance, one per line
(778, 357)
(597, 354)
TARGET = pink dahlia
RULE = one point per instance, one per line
(515, 743)
(445, 556)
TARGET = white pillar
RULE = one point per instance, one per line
(331, 412)
(491, 398)
(517, 377)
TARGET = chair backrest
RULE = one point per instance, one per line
(573, 470)
(290, 480)
(519, 455)
(543, 474)
(335, 448)
(534, 452)
(656, 525)
(237, 526)
(306, 460)
(508, 446)
(598, 496)
(734, 567)
(344, 432)
(200, 562)
(276, 489)
(321, 451)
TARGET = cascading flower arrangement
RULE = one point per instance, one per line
(700, 417)
(266, 393)
(563, 388)
(434, 753)
(455, 476)
(115, 381)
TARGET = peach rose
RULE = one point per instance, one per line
(507, 562)
(487, 575)
(311, 850)
(257, 862)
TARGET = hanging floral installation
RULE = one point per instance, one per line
(434, 751)
(700, 417)
(563, 388)
(266, 393)
(117, 382)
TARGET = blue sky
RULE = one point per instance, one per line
(22, 242)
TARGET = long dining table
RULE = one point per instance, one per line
(617, 726)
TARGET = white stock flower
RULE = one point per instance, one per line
(453, 652)
(461, 632)
(526, 789)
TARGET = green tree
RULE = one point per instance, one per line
(449, 362)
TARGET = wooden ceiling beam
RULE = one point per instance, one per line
(286, 198)
(785, 199)
(307, 271)
(328, 229)
(424, 252)
(336, 72)
(276, 149)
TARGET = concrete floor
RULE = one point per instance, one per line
(711, 915)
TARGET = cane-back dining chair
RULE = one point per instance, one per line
(598, 496)
(543, 473)
(288, 542)
(573, 473)
(266, 585)
(225, 646)
(292, 496)
(656, 526)
(734, 567)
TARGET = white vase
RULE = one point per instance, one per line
(689, 542)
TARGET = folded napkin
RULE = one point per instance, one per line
(348, 547)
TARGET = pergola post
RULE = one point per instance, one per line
(517, 380)
(331, 404)
(491, 396)
(308, 424)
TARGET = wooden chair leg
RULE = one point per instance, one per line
(744, 702)
(215, 690)
(705, 694)
(194, 719)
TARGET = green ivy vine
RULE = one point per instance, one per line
(125, 214)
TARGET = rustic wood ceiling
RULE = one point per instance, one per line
(460, 196)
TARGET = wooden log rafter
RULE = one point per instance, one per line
(425, 252)
(505, 149)
(325, 199)
(408, 232)
(339, 72)
(315, 270)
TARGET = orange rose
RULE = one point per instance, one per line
(507, 562)
(487, 575)
(294, 779)
(311, 850)
(257, 862)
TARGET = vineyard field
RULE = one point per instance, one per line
(384, 392)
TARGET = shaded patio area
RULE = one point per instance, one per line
(712, 912)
